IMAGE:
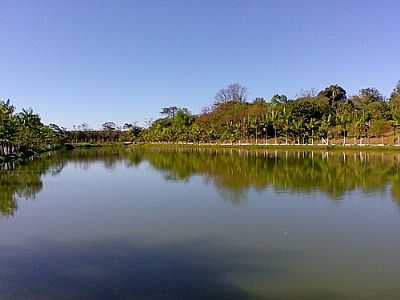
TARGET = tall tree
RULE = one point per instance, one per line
(371, 95)
(169, 112)
(334, 93)
(279, 99)
(233, 92)
(396, 91)
(109, 126)
(395, 98)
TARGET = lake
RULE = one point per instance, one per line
(201, 223)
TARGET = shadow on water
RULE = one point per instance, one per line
(234, 172)
(115, 269)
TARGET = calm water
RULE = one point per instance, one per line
(201, 224)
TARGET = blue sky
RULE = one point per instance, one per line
(95, 61)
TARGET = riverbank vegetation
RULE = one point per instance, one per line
(326, 117)
(23, 134)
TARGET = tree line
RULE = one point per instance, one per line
(312, 117)
(324, 117)
(23, 133)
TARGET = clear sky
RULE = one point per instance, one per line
(95, 61)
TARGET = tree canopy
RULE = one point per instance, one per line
(323, 116)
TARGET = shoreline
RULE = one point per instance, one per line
(25, 156)
(21, 157)
(353, 147)
(310, 147)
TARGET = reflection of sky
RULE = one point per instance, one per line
(127, 232)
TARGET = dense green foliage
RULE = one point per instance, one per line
(329, 116)
(310, 117)
(110, 133)
(24, 134)
(234, 172)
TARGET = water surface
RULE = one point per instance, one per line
(186, 223)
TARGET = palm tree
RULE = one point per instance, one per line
(343, 120)
(363, 123)
(274, 119)
(298, 128)
(323, 130)
(334, 93)
(236, 131)
(254, 125)
(313, 125)
(265, 124)
(244, 125)
(396, 124)
(286, 123)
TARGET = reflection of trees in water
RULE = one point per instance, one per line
(24, 180)
(233, 196)
(238, 170)
(233, 171)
